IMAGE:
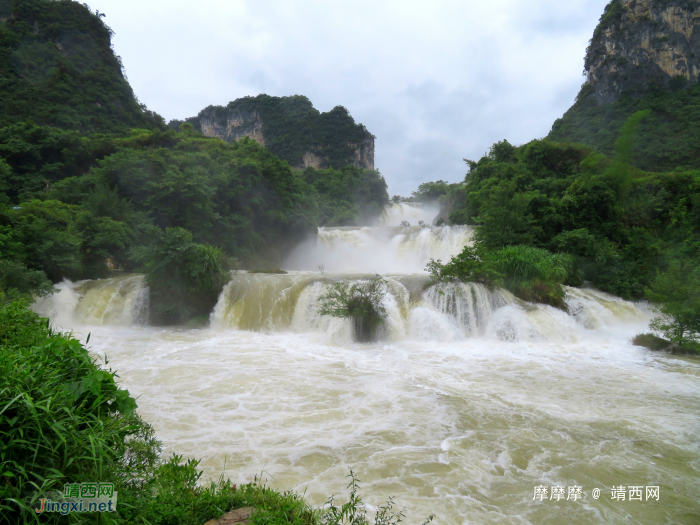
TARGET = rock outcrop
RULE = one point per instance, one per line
(237, 125)
(639, 43)
(292, 129)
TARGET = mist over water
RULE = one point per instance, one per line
(388, 248)
(470, 399)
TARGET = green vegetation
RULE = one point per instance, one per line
(621, 225)
(90, 181)
(360, 301)
(532, 274)
(627, 80)
(77, 205)
(666, 140)
(430, 191)
(292, 126)
(349, 196)
(548, 214)
(57, 68)
(184, 277)
(677, 294)
(75, 216)
(63, 418)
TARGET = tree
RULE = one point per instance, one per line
(677, 294)
(184, 277)
(360, 301)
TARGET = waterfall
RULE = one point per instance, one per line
(415, 308)
(121, 301)
(469, 305)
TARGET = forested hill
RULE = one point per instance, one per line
(644, 55)
(292, 129)
(57, 69)
(91, 182)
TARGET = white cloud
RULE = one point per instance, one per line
(434, 81)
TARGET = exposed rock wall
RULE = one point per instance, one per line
(364, 153)
(291, 128)
(238, 124)
(643, 42)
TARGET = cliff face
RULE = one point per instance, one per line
(292, 129)
(237, 125)
(643, 42)
(644, 55)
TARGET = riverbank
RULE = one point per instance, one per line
(64, 420)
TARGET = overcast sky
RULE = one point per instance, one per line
(435, 81)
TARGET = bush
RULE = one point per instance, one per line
(467, 266)
(677, 294)
(650, 341)
(16, 281)
(532, 274)
(360, 301)
(62, 418)
(184, 278)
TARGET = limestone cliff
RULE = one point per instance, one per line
(644, 55)
(643, 42)
(237, 125)
(292, 129)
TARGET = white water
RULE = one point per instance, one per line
(470, 400)
(386, 249)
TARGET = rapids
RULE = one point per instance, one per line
(470, 399)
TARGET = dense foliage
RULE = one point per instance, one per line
(57, 68)
(75, 206)
(667, 140)
(622, 225)
(63, 419)
(292, 126)
(430, 191)
(677, 293)
(532, 274)
(360, 301)
(90, 181)
(349, 196)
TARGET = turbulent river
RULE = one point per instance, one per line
(471, 399)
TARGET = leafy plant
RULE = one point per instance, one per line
(354, 513)
(533, 274)
(360, 301)
(676, 293)
(184, 277)
(467, 266)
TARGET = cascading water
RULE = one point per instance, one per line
(469, 400)
(121, 301)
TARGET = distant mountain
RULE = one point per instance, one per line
(644, 54)
(57, 68)
(292, 129)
